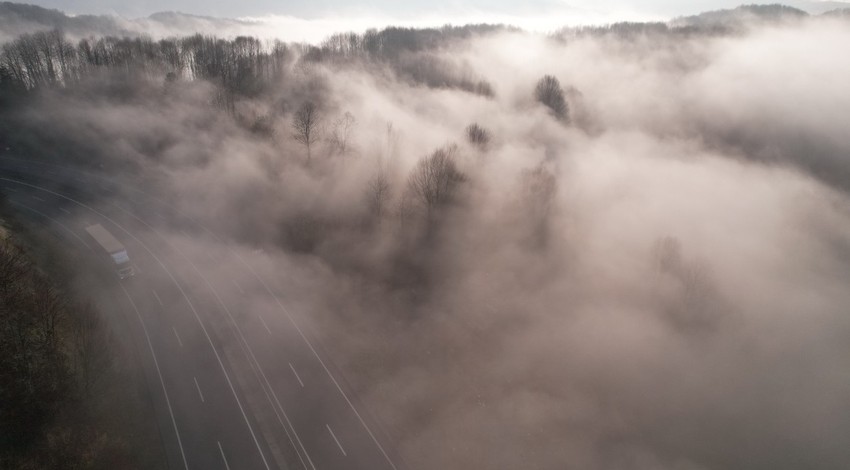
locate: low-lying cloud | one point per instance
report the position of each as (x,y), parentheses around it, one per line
(658,282)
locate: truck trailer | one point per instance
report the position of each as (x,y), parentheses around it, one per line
(116,251)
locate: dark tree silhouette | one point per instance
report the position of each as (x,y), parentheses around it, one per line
(478,136)
(305,126)
(435,179)
(549,92)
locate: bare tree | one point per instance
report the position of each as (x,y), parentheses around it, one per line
(435,179)
(306,124)
(549,92)
(341,131)
(478,136)
(377,194)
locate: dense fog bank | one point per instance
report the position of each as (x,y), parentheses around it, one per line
(640,262)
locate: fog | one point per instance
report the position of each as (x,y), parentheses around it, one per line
(657,280)
(17,19)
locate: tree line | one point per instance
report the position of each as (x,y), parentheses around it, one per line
(391,42)
(242,65)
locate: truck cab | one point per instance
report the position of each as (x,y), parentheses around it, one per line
(123,266)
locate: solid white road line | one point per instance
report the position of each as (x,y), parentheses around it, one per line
(38,198)
(336,440)
(199,389)
(296,375)
(182,292)
(264,323)
(65,210)
(226,466)
(158,373)
(157,298)
(178,336)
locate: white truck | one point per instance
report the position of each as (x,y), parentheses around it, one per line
(116,251)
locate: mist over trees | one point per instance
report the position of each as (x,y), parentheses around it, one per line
(434,181)
(306,125)
(549,93)
(618,246)
(478,136)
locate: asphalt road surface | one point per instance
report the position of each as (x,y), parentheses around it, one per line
(236,377)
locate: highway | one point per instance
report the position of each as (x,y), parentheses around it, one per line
(237,377)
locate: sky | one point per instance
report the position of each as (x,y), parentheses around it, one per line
(524,13)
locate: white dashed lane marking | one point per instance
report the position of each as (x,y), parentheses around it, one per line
(335,439)
(177,336)
(296,375)
(199,389)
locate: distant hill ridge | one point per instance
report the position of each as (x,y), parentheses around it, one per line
(21,18)
(743,14)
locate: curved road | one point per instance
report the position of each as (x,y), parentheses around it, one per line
(236,378)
